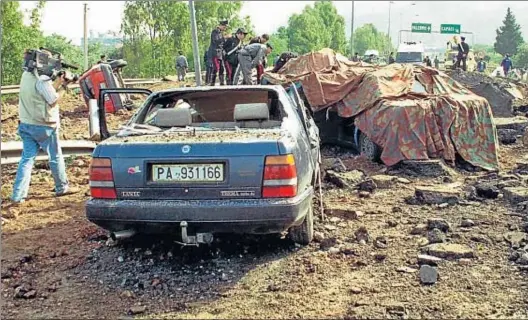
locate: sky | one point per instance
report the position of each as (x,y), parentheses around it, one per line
(479,17)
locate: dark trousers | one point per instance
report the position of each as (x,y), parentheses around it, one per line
(218,68)
(230,71)
(463,60)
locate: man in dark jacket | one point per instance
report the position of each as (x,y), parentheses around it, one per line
(250,57)
(216,52)
(231,48)
(284,57)
(463,50)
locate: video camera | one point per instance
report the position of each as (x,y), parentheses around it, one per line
(50,63)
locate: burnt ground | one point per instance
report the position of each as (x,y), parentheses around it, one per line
(363,264)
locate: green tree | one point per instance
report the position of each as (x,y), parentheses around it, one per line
(16,38)
(368,37)
(334,26)
(509,37)
(521,58)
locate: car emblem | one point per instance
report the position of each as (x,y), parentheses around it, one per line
(186,149)
(133,170)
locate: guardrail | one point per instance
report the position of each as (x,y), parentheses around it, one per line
(11,151)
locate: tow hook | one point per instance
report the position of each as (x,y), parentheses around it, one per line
(204,238)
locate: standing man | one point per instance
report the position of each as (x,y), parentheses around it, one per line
(102,59)
(463,50)
(231,48)
(437,63)
(249,57)
(481,65)
(216,52)
(391,58)
(181,66)
(506,64)
(39,129)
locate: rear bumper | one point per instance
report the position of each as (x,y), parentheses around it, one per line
(232,216)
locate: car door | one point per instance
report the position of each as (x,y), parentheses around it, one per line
(310,129)
(104,132)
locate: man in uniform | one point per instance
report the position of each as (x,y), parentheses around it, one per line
(463,50)
(283,58)
(216,52)
(263,39)
(231,48)
(250,57)
(181,66)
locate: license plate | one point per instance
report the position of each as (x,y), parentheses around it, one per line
(188,172)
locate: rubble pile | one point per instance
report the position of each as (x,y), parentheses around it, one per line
(505,96)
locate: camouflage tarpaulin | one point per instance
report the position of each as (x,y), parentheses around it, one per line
(413,113)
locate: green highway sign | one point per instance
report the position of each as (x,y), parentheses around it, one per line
(450,28)
(421,27)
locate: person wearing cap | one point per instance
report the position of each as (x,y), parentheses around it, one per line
(250,57)
(463,50)
(231,48)
(216,52)
(283,58)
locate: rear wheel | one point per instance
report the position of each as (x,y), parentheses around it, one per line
(303,234)
(368,148)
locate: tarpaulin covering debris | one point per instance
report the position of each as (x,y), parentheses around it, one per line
(412,112)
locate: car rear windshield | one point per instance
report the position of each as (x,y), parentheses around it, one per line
(214,108)
(405,57)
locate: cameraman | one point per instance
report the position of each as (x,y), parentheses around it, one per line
(39,129)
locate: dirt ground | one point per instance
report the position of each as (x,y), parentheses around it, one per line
(363,264)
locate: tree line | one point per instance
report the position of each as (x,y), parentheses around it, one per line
(153,32)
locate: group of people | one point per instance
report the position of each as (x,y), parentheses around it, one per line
(228,58)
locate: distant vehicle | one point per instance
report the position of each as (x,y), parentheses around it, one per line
(410,52)
(371,56)
(199,161)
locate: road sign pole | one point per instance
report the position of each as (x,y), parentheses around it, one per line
(196,53)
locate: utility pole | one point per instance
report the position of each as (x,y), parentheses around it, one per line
(352,31)
(388,31)
(85,36)
(196,53)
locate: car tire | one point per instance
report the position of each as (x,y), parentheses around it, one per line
(303,234)
(368,148)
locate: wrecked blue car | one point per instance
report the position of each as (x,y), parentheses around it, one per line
(200,161)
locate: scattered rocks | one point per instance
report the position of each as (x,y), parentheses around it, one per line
(420,229)
(487,190)
(355,290)
(438,223)
(380,243)
(392,223)
(523,259)
(383,181)
(436,236)
(346,180)
(480,238)
(406,270)
(403,180)
(318,236)
(516,194)
(362,235)
(328,243)
(137,310)
(437,194)
(334,164)
(428,274)
(449,251)
(467,223)
(427,168)
(507,136)
(364,194)
(367,186)
(515,239)
(428,260)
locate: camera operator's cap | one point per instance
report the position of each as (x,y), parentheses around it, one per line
(223,22)
(241,30)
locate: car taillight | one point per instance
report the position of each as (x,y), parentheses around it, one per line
(102,179)
(280,177)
